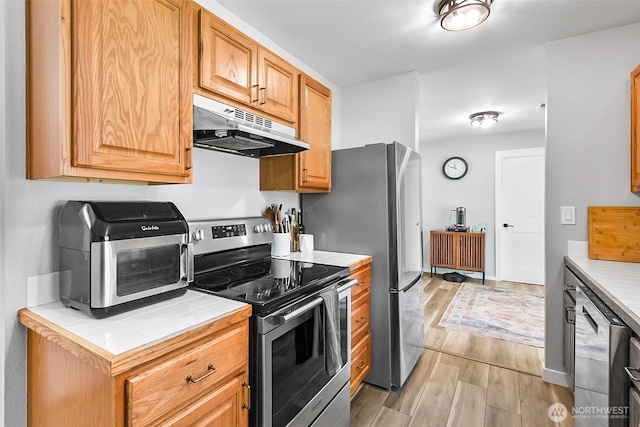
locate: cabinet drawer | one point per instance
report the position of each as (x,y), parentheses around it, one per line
(363,276)
(227,405)
(360,315)
(170,385)
(360,361)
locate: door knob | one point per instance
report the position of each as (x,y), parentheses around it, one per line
(505,225)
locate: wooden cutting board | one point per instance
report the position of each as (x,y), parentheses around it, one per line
(614,233)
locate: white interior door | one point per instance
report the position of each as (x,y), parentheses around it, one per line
(520,215)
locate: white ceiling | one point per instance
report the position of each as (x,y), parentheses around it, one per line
(498,65)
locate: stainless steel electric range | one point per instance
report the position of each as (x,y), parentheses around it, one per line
(300,331)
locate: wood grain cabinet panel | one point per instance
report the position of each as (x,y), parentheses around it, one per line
(233,67)
(360,362)
(360,326)
(635,129)
(227,60)
(225,406)
(458,250)
(363,276)
(360,315)
(185,377)
(66,388)
(118,105)
(308,171)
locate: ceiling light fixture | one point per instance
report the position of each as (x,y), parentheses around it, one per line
(458,15)
(484,119)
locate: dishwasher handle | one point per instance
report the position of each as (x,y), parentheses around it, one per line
(590,320)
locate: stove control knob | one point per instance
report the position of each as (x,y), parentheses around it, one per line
(257,228)
(198,235)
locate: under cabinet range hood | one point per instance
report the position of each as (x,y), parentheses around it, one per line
(221,127)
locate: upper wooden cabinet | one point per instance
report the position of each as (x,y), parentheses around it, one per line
(635,129)
(310,170)
(233,66)
(109,89)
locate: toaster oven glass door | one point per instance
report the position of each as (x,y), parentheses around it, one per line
(126,270)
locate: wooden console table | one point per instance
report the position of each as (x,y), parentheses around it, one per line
(458,250)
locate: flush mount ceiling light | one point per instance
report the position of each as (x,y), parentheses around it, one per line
(484,119)
(458,15)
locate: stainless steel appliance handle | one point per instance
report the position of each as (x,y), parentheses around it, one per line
(590,320)
(628,370)
(350,283)
(284,318)
(187,272)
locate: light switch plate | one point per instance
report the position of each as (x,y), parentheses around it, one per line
(568,215)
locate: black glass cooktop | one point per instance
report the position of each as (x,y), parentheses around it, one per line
(268,284)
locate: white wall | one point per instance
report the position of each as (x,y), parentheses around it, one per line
(384,110)
(475,191)
(587,150)
(223,186)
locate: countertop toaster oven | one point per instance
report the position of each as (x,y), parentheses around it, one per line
(116,256)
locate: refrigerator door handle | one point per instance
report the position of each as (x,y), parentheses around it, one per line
(405,289)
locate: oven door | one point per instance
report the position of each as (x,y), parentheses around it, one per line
(296,379)
(131,269)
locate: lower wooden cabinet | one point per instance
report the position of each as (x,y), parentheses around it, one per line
(226,406)
(360,330)
(459,250)
(360,361)
(197,378)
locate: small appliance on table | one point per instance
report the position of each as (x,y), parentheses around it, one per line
(300,331)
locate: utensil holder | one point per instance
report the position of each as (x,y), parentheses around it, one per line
(281,244)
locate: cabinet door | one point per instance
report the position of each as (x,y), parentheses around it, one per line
(443,249)
(226,406)
(471,252)
(227,60)
(635,129)
(315,128)
(278,86)
(360,361)
(131,67)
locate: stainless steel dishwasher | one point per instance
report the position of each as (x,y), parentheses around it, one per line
(601,353)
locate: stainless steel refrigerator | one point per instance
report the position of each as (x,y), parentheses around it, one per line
(375,208)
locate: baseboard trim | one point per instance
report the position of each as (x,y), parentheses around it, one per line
(555,377)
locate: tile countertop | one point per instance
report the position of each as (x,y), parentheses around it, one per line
(139,328)
(616,283)
(353,261)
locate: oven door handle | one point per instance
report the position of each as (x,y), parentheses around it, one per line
(284,318)
(348,284)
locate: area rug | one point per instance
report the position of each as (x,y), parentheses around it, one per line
(499,313)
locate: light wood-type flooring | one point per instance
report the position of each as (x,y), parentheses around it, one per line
(463,379)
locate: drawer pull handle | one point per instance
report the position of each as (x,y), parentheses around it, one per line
(244,405)
(362,283)
(211,370)
(628,369)
(362,319)
(363,364)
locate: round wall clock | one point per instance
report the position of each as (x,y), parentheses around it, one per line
(455,167)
